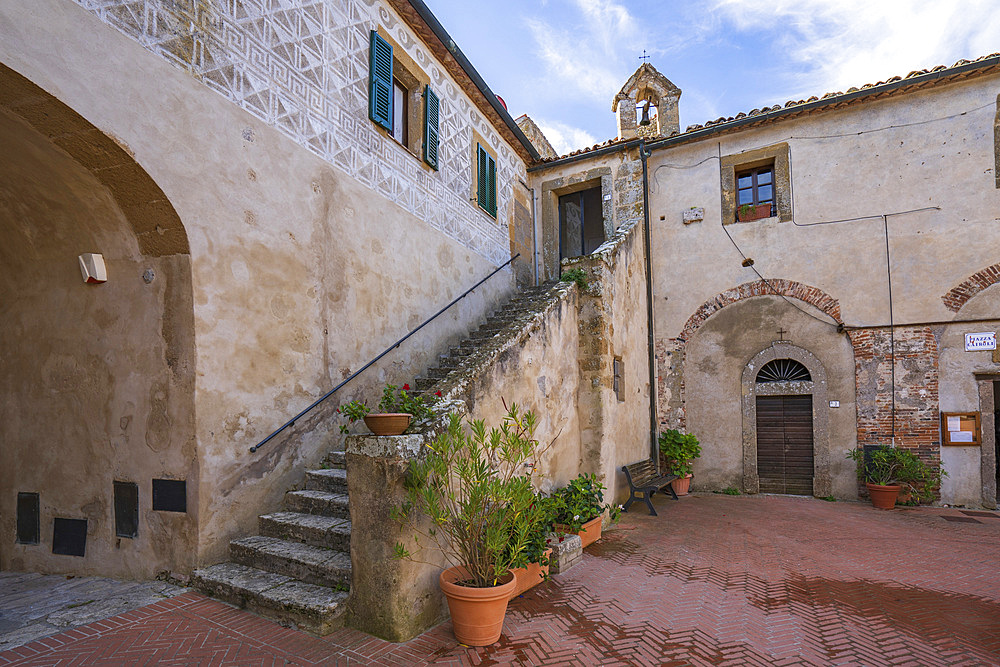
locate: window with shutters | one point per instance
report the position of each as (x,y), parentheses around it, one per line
(401,100)
(484,175)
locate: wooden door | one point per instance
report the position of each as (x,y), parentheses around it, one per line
(785,444)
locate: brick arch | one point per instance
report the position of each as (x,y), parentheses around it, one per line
(959,295)
(773,287)
(152,217)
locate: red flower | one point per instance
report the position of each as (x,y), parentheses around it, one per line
(406,387)
(438,394)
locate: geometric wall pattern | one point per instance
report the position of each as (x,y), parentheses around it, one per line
(301,66)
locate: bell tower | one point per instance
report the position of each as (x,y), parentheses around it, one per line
(646,106)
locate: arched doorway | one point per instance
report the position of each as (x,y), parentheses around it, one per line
(785,427)
(96,380)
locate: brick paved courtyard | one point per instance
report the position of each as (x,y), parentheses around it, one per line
(714,580)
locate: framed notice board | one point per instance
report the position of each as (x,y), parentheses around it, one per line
(960,429)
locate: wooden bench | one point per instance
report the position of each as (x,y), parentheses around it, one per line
(642,478)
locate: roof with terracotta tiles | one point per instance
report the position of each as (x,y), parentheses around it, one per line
(915,80)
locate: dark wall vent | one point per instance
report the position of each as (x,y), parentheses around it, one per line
(28,529)
(170,495)
(69,537)
(126,509)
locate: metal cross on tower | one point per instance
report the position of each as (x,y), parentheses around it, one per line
(644,56)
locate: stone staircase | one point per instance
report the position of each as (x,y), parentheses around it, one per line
(298,569)
(463,360)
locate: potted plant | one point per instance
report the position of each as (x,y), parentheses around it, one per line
(578,508)
(749,212)
(396,410)
(885,470)
(532,565)
(471,487)
(677,451)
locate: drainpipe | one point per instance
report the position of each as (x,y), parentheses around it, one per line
(644,154)
(534,232)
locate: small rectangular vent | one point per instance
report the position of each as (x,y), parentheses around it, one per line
(618,379)
(170,495)
(69,537)
(28,529)
(126,509)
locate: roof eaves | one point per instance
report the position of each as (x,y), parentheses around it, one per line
(449,44)
(895,85)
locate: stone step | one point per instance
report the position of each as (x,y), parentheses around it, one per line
(314,529)
(317,609)
(463,349)
(440,371)
(482,334)
(304,562)
(323,503)
(424,383)
(336,459)
(333,480)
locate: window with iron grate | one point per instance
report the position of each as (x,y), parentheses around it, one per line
(783,370)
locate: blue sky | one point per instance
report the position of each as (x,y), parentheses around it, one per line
(562,61)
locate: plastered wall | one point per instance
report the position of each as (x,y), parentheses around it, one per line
(300,270)
(922,149)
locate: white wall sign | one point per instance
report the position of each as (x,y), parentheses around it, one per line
(980,341)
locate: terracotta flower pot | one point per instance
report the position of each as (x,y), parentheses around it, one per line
(883,497)
(476,613)
(530,576)
(682,485)
(388,423)
(589,533)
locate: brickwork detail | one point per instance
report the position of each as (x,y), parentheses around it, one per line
(670,352)
(959,295)
(916,392)
(302,67)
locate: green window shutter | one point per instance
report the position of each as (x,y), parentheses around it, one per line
(492,184)
(380,82)
(482,180)
(432,109)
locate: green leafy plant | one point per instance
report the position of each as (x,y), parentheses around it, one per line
(394,399)
(578,276)
(579,502)
(479,502)
(678,451)
(539,516)
(746,209)
(887,466)
(829,499)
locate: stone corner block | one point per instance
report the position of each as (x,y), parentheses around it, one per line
(565,553)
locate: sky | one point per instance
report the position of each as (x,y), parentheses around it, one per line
(562,61)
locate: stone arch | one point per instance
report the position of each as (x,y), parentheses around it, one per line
(960,294)
(156,224)
(773,287)
(96,380)
(817,387)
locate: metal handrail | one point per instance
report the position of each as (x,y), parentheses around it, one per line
(291,422)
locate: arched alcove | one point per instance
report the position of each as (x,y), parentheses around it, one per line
(96,380)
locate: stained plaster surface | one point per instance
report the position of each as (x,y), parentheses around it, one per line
(289,253)
(33,606)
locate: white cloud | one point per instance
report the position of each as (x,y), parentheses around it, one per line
(582,56)
(853,42)
(563,137)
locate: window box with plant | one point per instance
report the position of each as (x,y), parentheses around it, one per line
(481,509)
(578,508)
(397,409)
(677,451)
